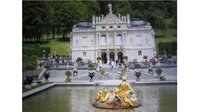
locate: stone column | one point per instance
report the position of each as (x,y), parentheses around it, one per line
(107,38)
(99,19)
(115,35)
(122,18)
(128,20)
(97,40)
(108,56)
(93,21)
(124,38)
(116,57)
(96,19)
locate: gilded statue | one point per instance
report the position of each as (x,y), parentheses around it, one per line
(121,97)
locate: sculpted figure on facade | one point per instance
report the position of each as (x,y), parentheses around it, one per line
(110,8)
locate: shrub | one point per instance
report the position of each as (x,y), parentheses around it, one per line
(68,74)
(91,66)
(79,59)
(125,57)
(145,57)
(137,65)
(98,58)
(123,70)
(102,71)
(159,71)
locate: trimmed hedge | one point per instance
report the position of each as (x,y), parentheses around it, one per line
(169,47)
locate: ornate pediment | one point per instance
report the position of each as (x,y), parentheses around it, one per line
(110,19)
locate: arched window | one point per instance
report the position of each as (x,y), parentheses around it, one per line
(103,40)
(118,40)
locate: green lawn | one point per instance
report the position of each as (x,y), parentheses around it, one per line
(170,35)
(60,47)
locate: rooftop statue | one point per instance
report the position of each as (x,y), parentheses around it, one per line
(110,8)
(121,97)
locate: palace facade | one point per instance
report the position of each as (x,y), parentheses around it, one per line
(112,37)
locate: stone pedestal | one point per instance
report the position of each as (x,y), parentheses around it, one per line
(115,105)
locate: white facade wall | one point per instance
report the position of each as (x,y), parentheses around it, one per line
(133,39)
(133,54)
(88,55)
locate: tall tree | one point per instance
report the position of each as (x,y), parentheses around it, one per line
(93,8)
(122,7)
(154,12)
(34,20)
(69,13)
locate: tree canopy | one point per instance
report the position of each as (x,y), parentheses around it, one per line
(51,17)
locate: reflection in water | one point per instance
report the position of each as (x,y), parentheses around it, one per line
(161,98)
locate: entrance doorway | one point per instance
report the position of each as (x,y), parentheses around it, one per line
(104,57)
(112,56)
(120,57)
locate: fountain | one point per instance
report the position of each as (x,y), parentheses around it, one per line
(122,97)
(160,98)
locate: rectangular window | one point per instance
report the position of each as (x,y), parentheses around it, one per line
(139,53)
(84,54)
(139,39)
(84,41)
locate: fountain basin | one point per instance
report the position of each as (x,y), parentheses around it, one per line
(154,98)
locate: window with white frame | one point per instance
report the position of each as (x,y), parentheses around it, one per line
(139,53)
(84,41)
(138,39)
(84,54)
(103,40)
(118,40)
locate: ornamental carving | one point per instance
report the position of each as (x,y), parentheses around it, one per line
(111,19)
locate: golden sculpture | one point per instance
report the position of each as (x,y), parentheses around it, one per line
(121,97)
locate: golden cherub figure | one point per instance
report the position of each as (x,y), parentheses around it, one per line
(123,95)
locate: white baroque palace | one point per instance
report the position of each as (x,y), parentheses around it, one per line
(112,37)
